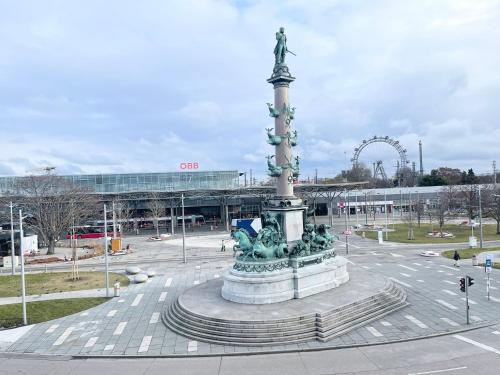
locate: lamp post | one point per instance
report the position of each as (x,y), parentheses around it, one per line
(183,231)
(23,283)
(386,219)
(12,245)
(357,219)
(480,219)
(106,265)
(366,208)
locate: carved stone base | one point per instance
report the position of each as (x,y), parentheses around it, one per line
(305,276)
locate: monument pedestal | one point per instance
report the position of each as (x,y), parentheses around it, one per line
(262,283)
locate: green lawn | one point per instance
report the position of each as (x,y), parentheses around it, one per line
(41,311)
(461,233)
(55,282)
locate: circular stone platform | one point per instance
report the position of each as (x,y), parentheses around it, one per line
(201,313)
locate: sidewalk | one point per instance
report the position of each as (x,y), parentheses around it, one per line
(62,295)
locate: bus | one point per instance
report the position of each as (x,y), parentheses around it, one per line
(91,231)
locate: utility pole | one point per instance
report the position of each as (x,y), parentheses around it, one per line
(114,221)
(106,265)
(386,220)
(316,176)
(12,244)
(251,178)
(21,253)
(480,219)
(366,208)
(346,228)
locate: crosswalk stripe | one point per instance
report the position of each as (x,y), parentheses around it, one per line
(64,336)
(374,332)
(449,282)
(146,340)
(168,282)
(397,255)
(417,322)
(385,324)
(192,346)
(137,299)
(111,313)
(450,322)
(446,304)
(449,292)
(408,268)
(470,301)
(476,318)
(154,318)
(163,296)
(91,342)
(400,282)
(421,281)
(119,329)
(52,328)
(404,274)
(109,347)
(196,282)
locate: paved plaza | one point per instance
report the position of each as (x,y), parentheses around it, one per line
(131,325)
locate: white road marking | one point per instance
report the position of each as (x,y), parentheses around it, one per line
(446,304)
(397,255)
(476,318)
(378,264)
(348,261)
(470,301)
(493,298)
(146,340)
(421,281)
(197,267)
(374,332)
(427,267)
(448,274)
(493,287)
(449,292)
(440,271)
(417,264)
(400,282)
(478,344)
(385,324)
(109,347)
(216,276)
(64,336)
(119,329)
(193,346)
(374,253)
(154,318)
(163,295)
(449,282)
(404,274)
(450,322)
(196,282)
(451,268)
(414,320)
(408,268)
(84,313)
(112,313)
(365,267)
(438,371)
(52,328)
(168,282)
(120,301)
(496,332)
(137,299)
(91,342)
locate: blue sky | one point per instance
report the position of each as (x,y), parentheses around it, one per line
(128,86)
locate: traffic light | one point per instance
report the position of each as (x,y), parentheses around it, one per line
(462,284)
(470,281)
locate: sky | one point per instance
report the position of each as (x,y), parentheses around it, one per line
(142,86)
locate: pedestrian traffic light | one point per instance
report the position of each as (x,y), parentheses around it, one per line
(462,284)
(470,281)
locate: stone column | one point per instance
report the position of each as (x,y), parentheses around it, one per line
(281,79)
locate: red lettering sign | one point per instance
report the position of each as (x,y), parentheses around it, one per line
(189,165)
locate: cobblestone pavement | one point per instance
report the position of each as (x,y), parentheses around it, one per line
(131,325)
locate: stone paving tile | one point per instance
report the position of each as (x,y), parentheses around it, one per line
(422,298)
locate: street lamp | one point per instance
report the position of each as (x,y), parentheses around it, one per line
(106,266)
(183,231)
(23,283)
(386,220)
(12,245)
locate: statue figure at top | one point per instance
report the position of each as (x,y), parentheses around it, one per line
(280,50)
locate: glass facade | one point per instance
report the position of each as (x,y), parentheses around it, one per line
(142,182)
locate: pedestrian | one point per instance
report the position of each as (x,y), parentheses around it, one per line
(456,258)
(223,247)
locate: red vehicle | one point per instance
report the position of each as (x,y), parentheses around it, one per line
(90,231)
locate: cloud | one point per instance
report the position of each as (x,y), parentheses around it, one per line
(121,86)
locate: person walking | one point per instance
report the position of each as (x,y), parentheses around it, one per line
(456,258)
(223,247)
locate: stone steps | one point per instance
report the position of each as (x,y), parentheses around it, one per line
(321,326)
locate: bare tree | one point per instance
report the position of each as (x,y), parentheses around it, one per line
(492,205)
(123,213)
(468,196)
(53,205)
(157,209)
(419,210)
